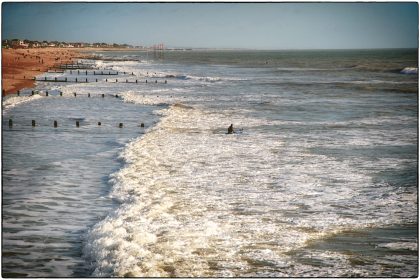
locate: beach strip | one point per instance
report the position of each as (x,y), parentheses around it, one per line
(20,66)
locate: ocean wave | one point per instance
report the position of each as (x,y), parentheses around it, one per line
(13,101)
(197,78)
(303,69)
(409,70)
(217,79)
(133,67)
(149,99)
(400,246)
(196,202)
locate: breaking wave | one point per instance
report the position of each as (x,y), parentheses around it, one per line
(183,211)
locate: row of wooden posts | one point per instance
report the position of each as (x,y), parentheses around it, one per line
(75,66)
(86,80)
(61,94)
(101,73)
(55,124)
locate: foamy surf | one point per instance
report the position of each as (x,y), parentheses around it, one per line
(183,212)
(410,70)
(310,165)
(13,101)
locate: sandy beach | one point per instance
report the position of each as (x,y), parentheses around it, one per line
(20,66)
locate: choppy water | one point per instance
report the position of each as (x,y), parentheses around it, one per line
(319,180)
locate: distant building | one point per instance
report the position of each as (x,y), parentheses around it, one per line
(34,45)
(5,44)
(18,44)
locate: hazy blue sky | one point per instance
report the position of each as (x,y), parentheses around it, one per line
(222,25)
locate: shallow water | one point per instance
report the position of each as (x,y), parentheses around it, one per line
(55,180)
(322,169)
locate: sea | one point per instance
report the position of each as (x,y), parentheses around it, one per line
(319,178)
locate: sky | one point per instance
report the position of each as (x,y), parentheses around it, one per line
(218,25)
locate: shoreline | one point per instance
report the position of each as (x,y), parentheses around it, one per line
(20,66)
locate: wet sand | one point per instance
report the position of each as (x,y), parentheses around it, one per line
(20,66)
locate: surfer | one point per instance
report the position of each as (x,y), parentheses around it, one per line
(230,129)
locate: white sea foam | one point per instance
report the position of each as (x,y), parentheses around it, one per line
(194,201)
(400,246)
(410,70)
(293,69)
(13,101)
(194,198)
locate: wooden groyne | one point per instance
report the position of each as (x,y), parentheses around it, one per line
(55,124)
(114,59)
(86,80)
(100,73)
(47,93)
(95,73)
(75,66)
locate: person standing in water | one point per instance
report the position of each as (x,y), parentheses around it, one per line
(230,129)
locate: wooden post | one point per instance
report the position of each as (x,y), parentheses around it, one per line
(74,94)
(10,123)
(33,93)
(142,125)
(106,80)
(116,80)
(46,93)
(18,92)
(96,80)
(99,123)
(77,124)
(136,81)
(120,125)
(116,96)
(61,94)
(103,95)
(55,124)
(33,122)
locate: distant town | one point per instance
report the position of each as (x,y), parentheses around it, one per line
(24,44)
